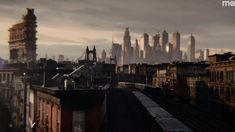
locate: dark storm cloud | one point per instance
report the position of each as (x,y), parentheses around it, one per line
(213,25)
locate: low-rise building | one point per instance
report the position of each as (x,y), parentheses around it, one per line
(198,88)
(178,74)
(160,75)
(138,73)
(63,110)
(221,82)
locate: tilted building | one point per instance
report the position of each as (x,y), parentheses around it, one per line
(22,39)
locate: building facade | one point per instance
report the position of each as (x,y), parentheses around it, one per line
(53,110)
(178,74)
(221,81)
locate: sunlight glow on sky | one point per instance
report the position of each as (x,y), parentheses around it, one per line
(77,23)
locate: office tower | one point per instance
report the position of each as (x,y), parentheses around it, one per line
(191,48)
(103,56)
(169,48)
(206,54)
(126,55)
(176,41)
(164,40)
(116,51)
(144,41)
(137,49)
(199,56)
(156,43)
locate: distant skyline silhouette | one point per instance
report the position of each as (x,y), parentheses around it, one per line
(87,22)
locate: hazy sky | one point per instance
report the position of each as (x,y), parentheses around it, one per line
(67,26)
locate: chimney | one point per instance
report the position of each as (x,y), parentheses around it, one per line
(49,70)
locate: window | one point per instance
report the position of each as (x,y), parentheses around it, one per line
(221,76)
(12,77)
(4,77)
(78,121)
(58,120)
(229,76)
(221,90)
(217,76)
(8,77)
(232,92)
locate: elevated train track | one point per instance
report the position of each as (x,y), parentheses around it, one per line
(194,119)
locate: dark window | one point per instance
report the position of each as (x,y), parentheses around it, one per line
(8,77)
(221,76)
(4,77)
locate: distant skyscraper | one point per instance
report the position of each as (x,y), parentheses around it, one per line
(103,56)
(169,48)
(185,56)
(176,41)
(22,39)
(144,45)
(199,56)
(164,40)
(131,54)
(156,43)
(141,54)
(60,58)
(126,55)
(144,41)
(137,49)
(191,48)
(206,54)
(116,51)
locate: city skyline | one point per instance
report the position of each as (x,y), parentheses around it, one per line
(111,66)
(69,26)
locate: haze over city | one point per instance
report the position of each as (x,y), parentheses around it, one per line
(71,25)
(111,66)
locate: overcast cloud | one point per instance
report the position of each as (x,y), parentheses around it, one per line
(89,22)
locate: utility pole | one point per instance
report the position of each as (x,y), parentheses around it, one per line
(24,79)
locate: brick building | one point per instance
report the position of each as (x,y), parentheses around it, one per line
(178,74)
(160,75)
(221,81)
(139,73)
(61,110)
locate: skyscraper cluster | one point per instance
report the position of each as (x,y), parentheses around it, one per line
(159,51)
